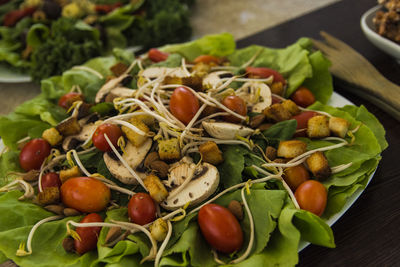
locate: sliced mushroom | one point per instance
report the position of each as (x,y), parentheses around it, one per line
(226,130)
(256,94)
(214,79)
(156,72)
(108,86)
(72,141)
(203,184)
(179,171)
(133,156)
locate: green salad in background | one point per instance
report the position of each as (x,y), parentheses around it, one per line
(278,225)
(46,37)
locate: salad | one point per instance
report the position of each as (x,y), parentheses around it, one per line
(46,37)
(191,154)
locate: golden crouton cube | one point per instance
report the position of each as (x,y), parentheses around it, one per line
(146,119)
(159,229)
(318,127)
(290,106)
(318,165)
(69,126)
(277,88)
(52,136)
(169,149)
(119,69)
(277,113)
(70,173)
(173,80)
(135,138)
(338,126)
(291,148)
(201,69)
(156,188)
(211,153)
(49,195)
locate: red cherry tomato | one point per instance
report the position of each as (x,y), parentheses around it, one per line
(265,73)
(33,154)
(113,133)
(303,118)
(207,59)
(104,9)
(220,228)
(275,99)
(296,175)
(85,194)
(303,97)
(183,104)
(235,104)
(156,55)
(51,179)
(68,99)
(141,209)
(88,235)
(312,196)
(11,18)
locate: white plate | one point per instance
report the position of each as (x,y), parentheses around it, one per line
(11,76)
(336,101)
(381,42)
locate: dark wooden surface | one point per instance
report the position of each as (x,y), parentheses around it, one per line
(368,234)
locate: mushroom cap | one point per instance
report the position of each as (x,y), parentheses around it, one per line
(156,72)
(82,136)
(108,86)
(213,79)
(197,190)
(226,130)
(256,94)
(133,156)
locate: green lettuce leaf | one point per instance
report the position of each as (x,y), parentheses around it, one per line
(8,163)
(219,45)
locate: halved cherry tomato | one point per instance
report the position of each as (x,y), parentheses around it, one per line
(104,9)
(235,104)
(51,179)
(183,104)
(207,59)
(156,55)
(141,209)
(296,175)
(262,72)
(220,228)
(68,99)
(113,133)
(85,194)
(33,154)
(303,97)
(88,235)
(312,196)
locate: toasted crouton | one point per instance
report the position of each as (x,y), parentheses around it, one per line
(338,126)
(70,173)
(52,136)
(119,68)
(169,149)
(318,127)
(49,195)
(291,148)
(277,113)
(270,152)
(135,138)
(195,82)
(290,106)
(69,126)
(201,69)
(211,153)
(156,188)
(277,88)
(318,165)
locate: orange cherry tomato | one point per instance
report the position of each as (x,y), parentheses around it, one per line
(262,72)
(220,228)
(183,104)
(303,97)
(207,59)
(235,104)
(85,194)
(312,196)
(156,55)
(68,99)
(51,179)
(88,235)
(294,176)
(141,209)
(113,133)
(33,154)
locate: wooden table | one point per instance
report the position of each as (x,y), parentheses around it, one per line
(368,234)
